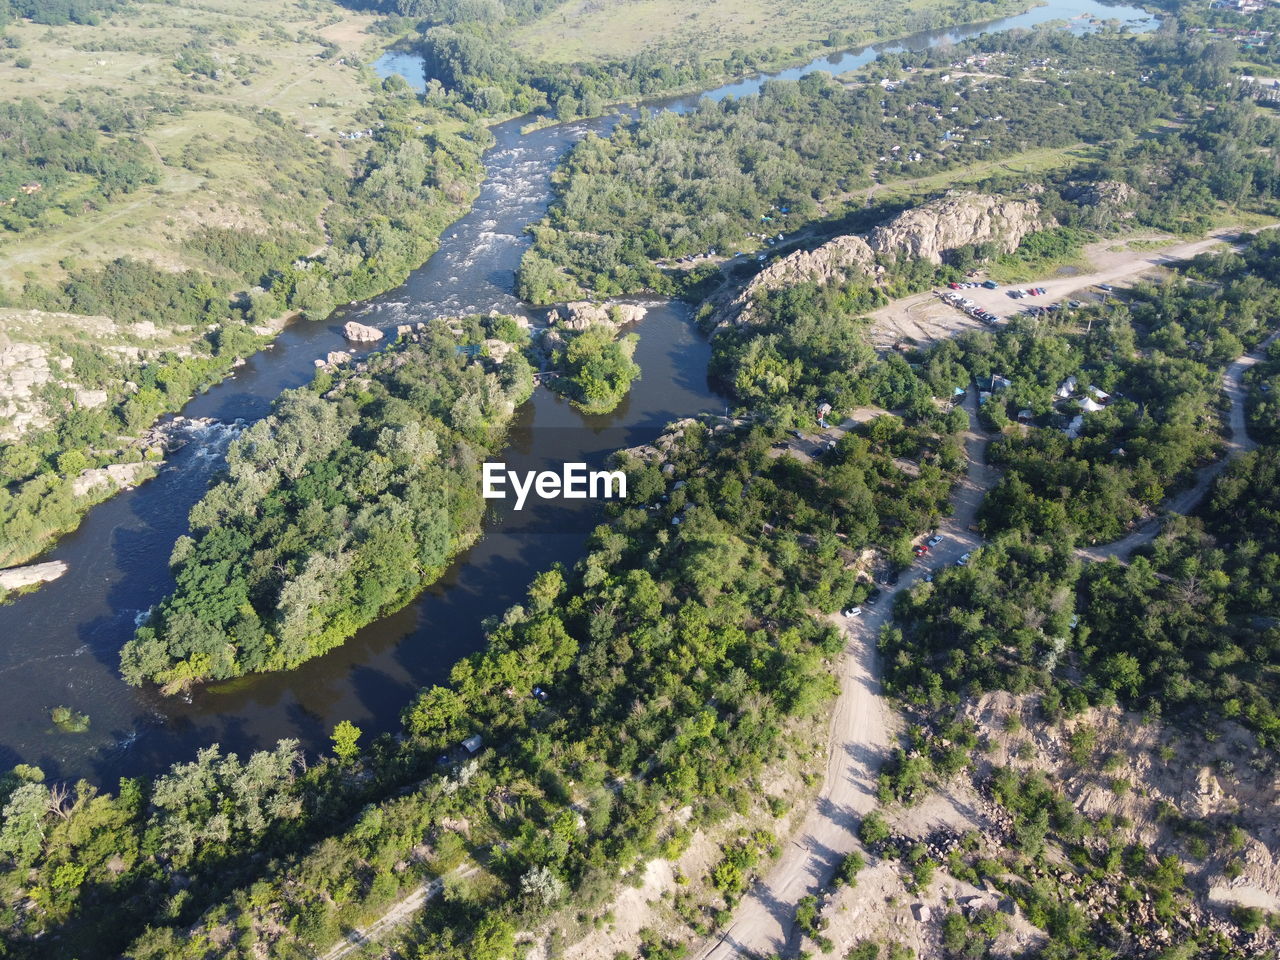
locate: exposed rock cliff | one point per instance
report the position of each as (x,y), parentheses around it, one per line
(927,232)
(931,230)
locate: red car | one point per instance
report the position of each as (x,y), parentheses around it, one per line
(920,549)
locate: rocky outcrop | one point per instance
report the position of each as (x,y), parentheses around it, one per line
(15,578)
(1107,193)
(580,314)
(332,359)
(925,232)
(498,350)
(123,475)
(360,332)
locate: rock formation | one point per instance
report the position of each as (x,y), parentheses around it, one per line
(927,232)
(360,332)
(931,230)
(123,475)
(580,314)
(17,577)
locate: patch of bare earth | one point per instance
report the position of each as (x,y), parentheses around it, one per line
(1172,791)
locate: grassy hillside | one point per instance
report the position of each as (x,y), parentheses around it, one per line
(195,76)
(591,30)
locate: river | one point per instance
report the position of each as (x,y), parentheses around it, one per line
(61,644)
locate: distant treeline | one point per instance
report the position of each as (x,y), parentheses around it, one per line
(56,12)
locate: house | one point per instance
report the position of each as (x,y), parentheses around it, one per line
(1067,388)
(472,743)
(1000,383)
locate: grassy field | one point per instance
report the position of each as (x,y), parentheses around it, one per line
(586,30)
(210,154)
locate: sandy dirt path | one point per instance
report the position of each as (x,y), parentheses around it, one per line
(861,737)
(402,912)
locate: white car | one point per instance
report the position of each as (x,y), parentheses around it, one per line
(963,561)
(853,612)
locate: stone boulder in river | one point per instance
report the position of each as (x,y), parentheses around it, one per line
(360,332)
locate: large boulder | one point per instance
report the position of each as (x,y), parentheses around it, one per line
(360,332)
(17,577)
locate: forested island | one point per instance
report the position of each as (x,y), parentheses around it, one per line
(339,507)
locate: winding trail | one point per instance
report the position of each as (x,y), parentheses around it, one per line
(1187,500)
(861,736)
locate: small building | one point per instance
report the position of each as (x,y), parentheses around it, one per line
(1090,405)
(1100,395)
(473,743)
(1074,427)
(1025,416)
(1067,388)
(1000,383)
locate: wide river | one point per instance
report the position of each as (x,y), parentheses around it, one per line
(61,644)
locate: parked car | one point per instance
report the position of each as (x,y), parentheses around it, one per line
(935,540)
(873,596)
(963,561)
(920,549)
(852,611)
(991,285)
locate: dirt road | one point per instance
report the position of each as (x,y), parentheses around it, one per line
(860,738)
(924,318)
(401,912)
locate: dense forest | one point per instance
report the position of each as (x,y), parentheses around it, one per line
(595,365)
(42,155)
(338,507)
